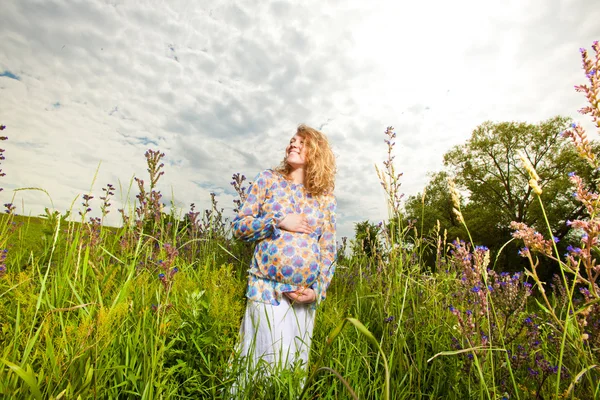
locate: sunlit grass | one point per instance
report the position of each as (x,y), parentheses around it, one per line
(152,309)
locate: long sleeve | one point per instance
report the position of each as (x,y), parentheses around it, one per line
(328,250)
(251,224)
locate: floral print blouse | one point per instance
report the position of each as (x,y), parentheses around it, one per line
(285,261)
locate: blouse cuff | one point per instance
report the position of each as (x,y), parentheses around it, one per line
(277,218)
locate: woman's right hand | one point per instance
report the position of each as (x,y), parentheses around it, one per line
(295,223)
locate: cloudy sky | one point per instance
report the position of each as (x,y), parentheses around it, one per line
(220,87)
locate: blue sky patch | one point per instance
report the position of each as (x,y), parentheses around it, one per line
(10,75)
(146,141)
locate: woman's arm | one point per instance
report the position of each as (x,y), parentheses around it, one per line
(328,250)
(250,224)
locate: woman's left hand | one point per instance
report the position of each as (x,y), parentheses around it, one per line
(302,296)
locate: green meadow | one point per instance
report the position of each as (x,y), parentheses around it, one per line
(152,309)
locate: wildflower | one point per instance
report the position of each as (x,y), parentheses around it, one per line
(533,182)
(389,319)
(527,320)
(555,239)
(534,185)
(455,200)
(475,289)
(585,336)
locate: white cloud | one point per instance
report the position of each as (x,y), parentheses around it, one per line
(220,86)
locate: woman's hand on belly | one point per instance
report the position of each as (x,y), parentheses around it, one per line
(302,296)
(295,223)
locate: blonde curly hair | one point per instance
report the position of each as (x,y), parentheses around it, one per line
(320,162)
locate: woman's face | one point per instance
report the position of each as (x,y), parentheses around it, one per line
(296,152)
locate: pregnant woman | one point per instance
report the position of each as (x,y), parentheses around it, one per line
(290,214)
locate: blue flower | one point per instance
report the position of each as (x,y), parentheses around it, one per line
(573,125)
(475,289)
(266,295)
(584,291)
(571,174)
(572,249)
(297,278)
(289,251)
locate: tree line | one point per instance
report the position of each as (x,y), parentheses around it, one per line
(494,191)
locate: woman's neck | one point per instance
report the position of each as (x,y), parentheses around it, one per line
(297,176)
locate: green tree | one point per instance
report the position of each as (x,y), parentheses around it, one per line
(366,241)
(432,205)
(488,171)
(432,217)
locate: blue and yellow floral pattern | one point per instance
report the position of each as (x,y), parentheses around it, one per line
(286,261)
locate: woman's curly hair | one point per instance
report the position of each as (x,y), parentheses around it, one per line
(320,162)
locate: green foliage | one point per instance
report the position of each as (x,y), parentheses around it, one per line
(488,168)
(488,171)
(366,240)
(152,309)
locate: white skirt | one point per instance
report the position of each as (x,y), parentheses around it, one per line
(276,337)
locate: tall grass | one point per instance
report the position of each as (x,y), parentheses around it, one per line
(152,309)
